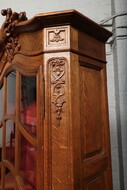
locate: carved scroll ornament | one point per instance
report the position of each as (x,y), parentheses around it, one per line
(7,37)
(58,86)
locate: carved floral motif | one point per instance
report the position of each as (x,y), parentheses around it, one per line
(58,88)
(12,47)
(7,36)
(57,36)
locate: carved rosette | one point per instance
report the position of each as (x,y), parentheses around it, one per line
(7,36)
(57,69)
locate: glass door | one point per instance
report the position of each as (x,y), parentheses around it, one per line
(8,132)
(28,116)
(19,133)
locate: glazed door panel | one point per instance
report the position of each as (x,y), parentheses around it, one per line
(19,126)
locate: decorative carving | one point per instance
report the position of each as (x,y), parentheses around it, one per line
(58,82)
(7,36)
(57,36)
(12,47)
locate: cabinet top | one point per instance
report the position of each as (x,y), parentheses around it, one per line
(68,17)
(40,21)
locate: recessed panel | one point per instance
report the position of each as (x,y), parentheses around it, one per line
(56,37)
(91,111)
(95,184)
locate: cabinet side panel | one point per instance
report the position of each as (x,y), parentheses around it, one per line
(95,153)
(91,112)
(91,47)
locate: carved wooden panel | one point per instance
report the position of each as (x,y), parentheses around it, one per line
(58,82)
(91,112)
(57,109)
(96,183)
(56,37)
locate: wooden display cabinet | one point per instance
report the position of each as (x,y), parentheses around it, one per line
(54,119)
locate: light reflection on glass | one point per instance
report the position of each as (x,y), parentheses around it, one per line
(1,113)
(1,103)
(9,181)
(11,92)
(10,141)
(28,104)
(28,164)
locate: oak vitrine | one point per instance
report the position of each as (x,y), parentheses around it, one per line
(54,112)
